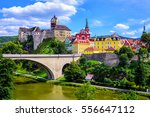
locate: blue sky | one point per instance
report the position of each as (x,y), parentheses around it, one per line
(125,17)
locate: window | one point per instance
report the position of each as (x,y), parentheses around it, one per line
(83,38)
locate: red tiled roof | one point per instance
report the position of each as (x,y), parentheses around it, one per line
(127,43)
(61,27)
(89,76)
(91,49)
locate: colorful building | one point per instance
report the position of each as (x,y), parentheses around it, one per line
(135,45)
(102,44)
(109,43)
(82,41)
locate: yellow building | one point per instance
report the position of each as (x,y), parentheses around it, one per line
(108,44)
(78,47)
(91,50)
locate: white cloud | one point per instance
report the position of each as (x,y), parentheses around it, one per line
(8,30)
(3,33)
(96,23)
(40,10)
(145,20)
(121,26)
(37,14)
(112,31)
(132,33)
(72,2)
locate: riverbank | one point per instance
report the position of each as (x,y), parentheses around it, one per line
(26,79)
(63,83)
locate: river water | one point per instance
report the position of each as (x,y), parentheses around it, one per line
(45,91)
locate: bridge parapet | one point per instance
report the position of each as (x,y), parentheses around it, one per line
(40,55)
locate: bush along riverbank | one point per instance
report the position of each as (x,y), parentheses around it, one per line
(100,88)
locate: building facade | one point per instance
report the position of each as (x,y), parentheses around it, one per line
(60,32)
(82,41)
(108,44)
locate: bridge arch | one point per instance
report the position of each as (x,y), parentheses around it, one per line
(64,66)
(54,64)
(47,69)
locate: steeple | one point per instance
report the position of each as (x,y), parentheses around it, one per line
(86,26)
(144,29)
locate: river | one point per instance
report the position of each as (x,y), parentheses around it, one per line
(46,91)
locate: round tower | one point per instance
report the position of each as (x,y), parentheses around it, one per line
(54,22)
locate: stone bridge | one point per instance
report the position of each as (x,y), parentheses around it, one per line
(54,64)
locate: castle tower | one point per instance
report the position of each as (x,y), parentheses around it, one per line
(54,22)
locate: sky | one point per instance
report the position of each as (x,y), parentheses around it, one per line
(125,17)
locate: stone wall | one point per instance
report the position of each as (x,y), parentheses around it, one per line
(109,59)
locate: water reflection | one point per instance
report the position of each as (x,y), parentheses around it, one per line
(44,91)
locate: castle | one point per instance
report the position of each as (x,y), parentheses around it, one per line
(61,32)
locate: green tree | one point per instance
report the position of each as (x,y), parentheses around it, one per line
(146,39)
(124,60)
(73,73)
(83,61)
(143,52)
(86,92)
(126,50)
(141,74)
(6,73)
(131,95)
(100,72)
(12,48)
(51,46)
(87,65)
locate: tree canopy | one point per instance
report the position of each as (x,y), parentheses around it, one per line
(86,92)
(51,46)
(74,73)
(146,39)
(12,48)
(6,73)
(126,50)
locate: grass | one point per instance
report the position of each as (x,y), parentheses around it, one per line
(23,80)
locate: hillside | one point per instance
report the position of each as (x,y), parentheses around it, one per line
(51,46)
(4,39)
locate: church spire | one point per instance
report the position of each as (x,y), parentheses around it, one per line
(86,26)
(144,29)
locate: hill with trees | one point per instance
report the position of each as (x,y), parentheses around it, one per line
(4,39)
